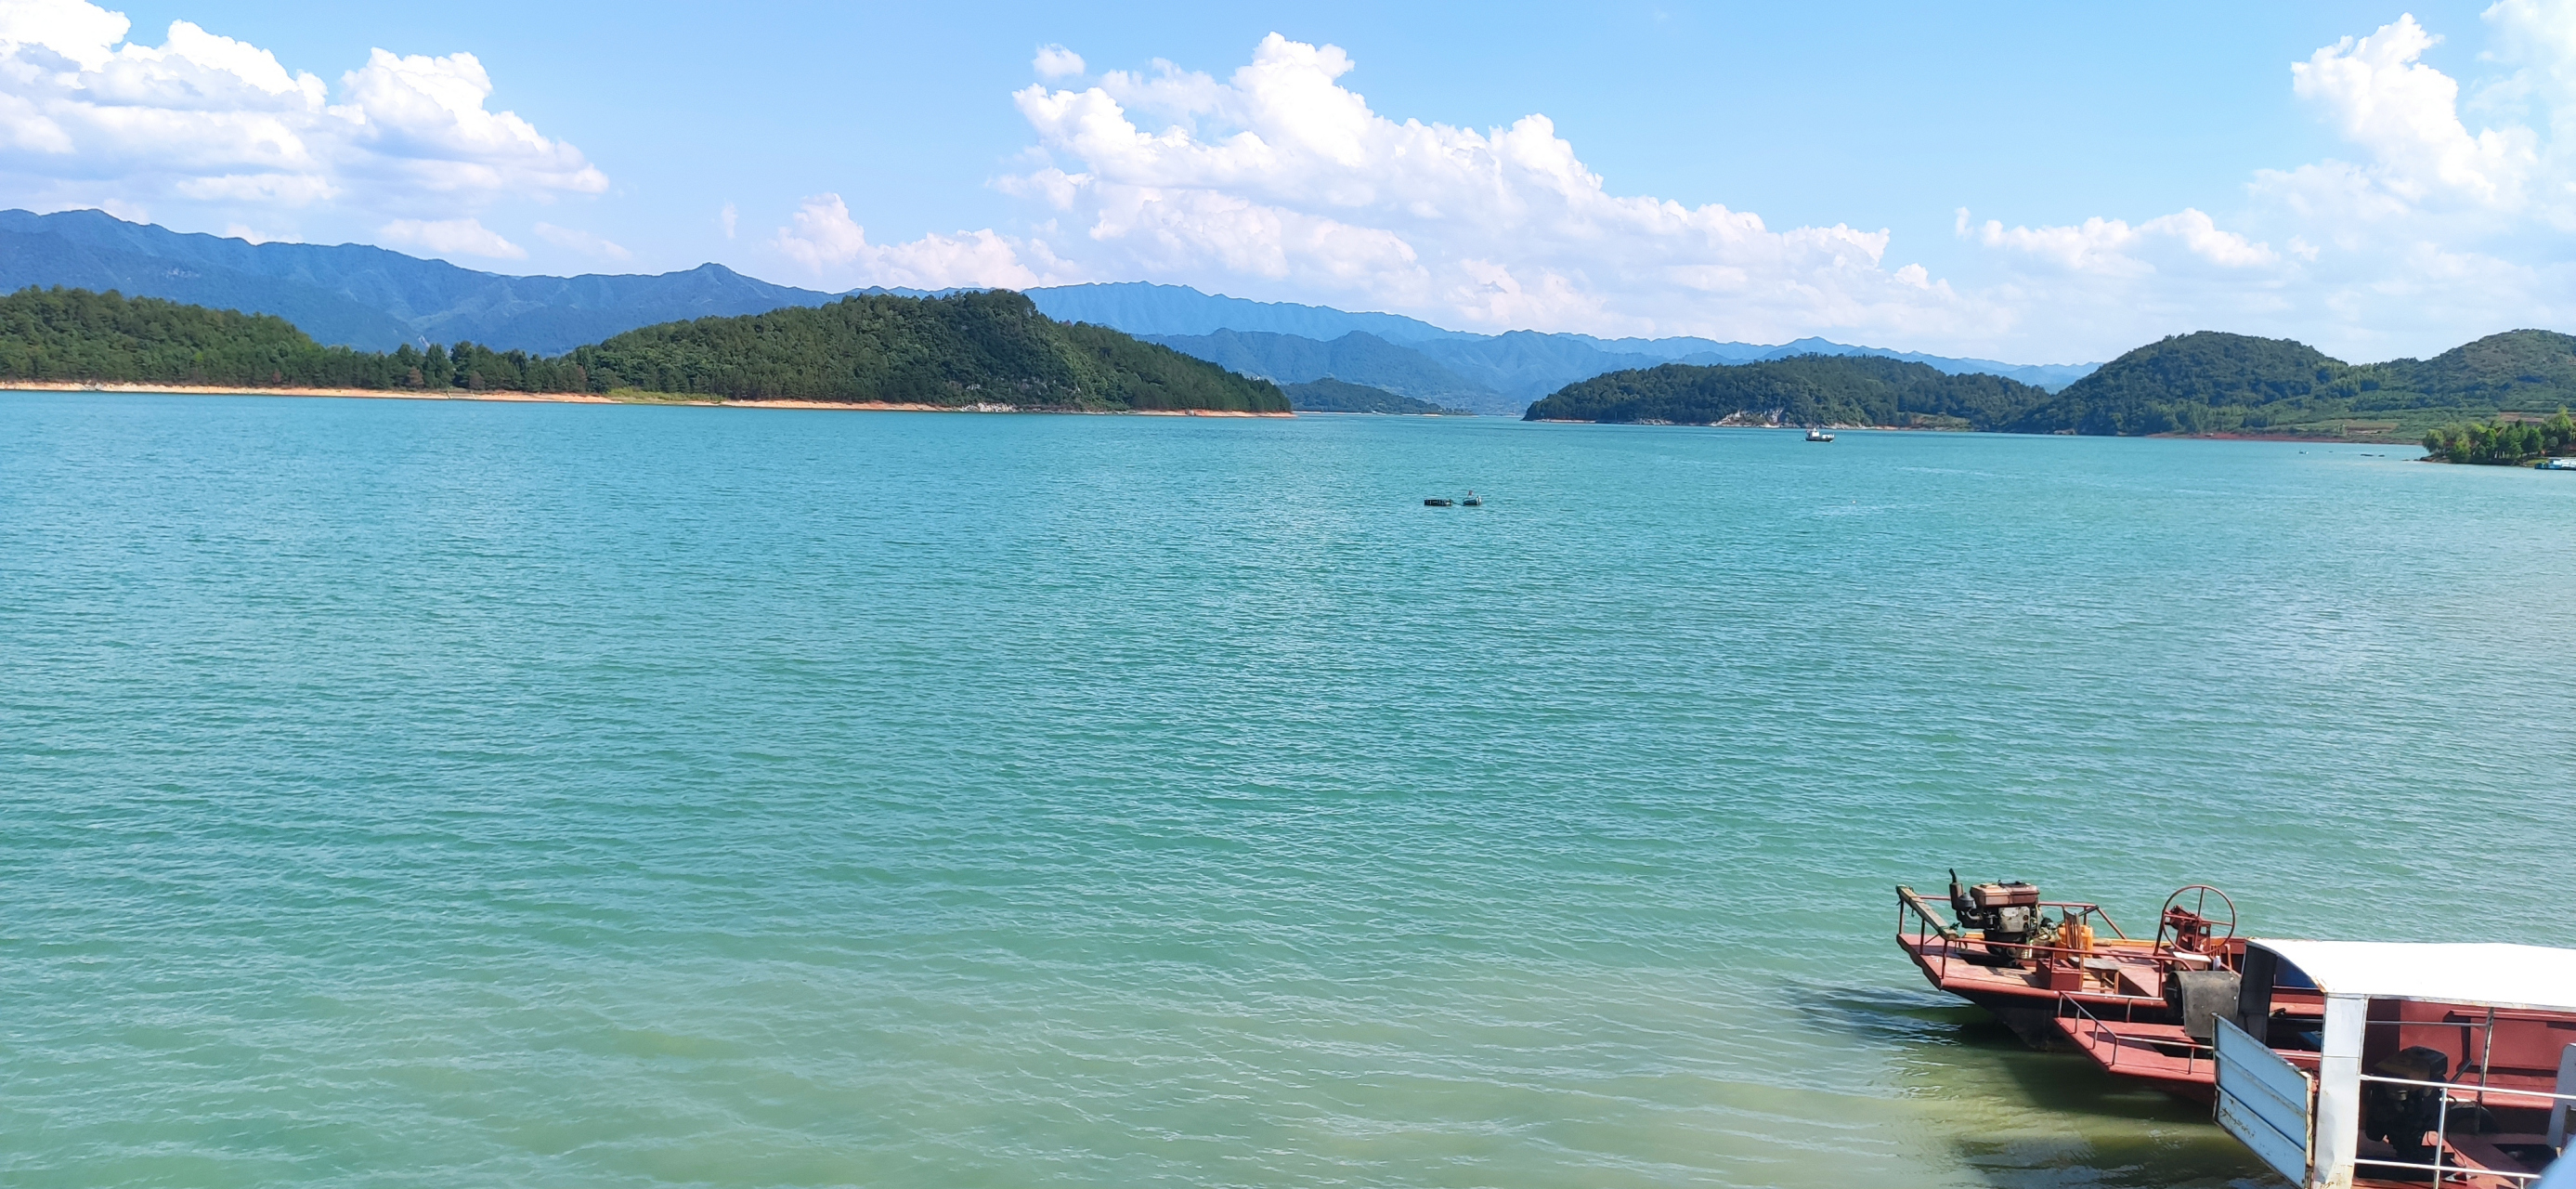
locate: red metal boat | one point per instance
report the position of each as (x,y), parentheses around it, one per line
(2028,960)
(2420,1063)
(2344,1065)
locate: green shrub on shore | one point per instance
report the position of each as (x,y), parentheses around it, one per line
(2502,443)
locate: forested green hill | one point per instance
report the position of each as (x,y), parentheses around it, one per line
(2518,369)
(963,349)
(1801,390)
(76,335)
(2230,383)
(967,349)
(2194,383)
(2205,383)
(1329,395)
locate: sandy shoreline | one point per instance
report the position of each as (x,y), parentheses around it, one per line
(583,398)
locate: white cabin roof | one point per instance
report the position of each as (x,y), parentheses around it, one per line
(2481,974)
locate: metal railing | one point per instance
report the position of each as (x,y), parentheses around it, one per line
(1926,924)
(2442,1131)
(2096,1031)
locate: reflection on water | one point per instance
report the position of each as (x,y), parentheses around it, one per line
(2016,1118)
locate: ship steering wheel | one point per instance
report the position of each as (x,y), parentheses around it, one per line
(2193,929)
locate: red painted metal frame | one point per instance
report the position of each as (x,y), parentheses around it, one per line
(1943,963)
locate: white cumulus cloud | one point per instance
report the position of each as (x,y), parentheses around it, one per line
(2451,213)
(2111,247)
(1055,61)
(451,237)
(583,242)
(2437,230)
(823,238)
(422,121)
(89,117)
(1280,181)
(2405,114)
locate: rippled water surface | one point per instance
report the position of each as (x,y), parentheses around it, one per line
(462,794)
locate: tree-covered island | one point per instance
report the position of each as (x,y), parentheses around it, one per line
(986,349)
(2208,383)
(1800,390)
(1330,395)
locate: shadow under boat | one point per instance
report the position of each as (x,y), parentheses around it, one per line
(2012,1117)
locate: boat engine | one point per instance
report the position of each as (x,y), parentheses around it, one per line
(2402,1114)
(2006,914)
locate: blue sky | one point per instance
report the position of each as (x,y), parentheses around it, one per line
(2145,172)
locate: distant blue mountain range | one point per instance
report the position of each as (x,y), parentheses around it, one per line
(377,299)
(362,296)
(1141,308)
(1488,373)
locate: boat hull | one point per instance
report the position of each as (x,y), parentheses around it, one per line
(2034,1023)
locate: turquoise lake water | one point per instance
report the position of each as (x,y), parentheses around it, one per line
(437,794)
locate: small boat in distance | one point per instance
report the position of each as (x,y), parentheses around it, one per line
(1818,435)
(1471,501)
(1435,502)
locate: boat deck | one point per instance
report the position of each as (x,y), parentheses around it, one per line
(2160,1054)
(2125,977)
(2476,1161)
